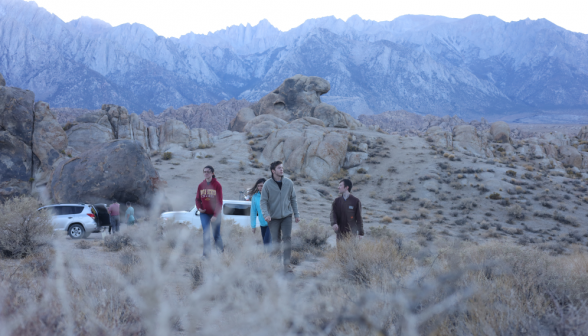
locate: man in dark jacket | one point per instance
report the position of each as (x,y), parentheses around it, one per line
(346,217)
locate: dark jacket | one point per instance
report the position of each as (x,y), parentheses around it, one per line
(210,197)
(347,215)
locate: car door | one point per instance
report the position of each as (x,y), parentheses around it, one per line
(59,217)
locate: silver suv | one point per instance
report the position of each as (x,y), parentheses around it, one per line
(79,220)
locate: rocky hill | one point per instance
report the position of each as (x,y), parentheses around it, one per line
(471,67)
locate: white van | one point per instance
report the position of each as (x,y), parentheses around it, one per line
(239,211)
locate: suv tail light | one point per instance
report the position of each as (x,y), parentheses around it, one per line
(91,215)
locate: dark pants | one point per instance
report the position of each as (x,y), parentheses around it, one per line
(266,235)
(216,226)
(281,230)
(115,223)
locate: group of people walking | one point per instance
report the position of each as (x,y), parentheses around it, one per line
(273,203)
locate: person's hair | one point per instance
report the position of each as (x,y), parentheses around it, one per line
(273,166)
(128,204)
(347,183)
(211,169)
(251,191)
(114,200)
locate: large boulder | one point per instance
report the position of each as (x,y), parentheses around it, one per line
(329,115)
(15,166)
(49,138)
(500,132)
(138,130)
(119,120)
(199,138)
(243,117)
(466,139)
(173,132)
(570,156)
(120,169)
(263,125)
(312,150)
(16,137)
(439,137)
(354,159)
(583,134)
(85,136)
(295,98)
(16,112)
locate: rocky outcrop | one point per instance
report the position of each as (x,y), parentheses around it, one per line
(213,118)
(296,98)
(354,159)
(439,137)
(16,137)
(15,166)
(583,134)
(49,142)
(120,169)
(173,132)
(467,139)
(500,132)
(153,138)
(408,123)
(199,138)
(2,81)
(241,119)
(309,149)
(570,156)
(85,136)
(263,125)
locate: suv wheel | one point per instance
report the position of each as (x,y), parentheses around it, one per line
(76,231)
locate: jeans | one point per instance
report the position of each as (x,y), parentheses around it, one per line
(266,235)
(115,223)
(281,230)
(216,226)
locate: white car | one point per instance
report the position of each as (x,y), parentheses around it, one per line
(238,211)
(79,220)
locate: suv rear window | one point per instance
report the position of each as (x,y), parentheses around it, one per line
(68,210)
(236,209)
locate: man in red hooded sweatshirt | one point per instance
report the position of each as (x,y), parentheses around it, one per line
(209,201)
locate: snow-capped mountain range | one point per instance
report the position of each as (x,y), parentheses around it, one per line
(470,67)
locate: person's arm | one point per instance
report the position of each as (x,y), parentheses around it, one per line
(263,202)
(359,219)
(334,217)
(253,213)
(219,201)
(198,199)
(294,204)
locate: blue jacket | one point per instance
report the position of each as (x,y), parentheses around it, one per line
(256,210)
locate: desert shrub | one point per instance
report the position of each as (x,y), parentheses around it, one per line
(312,235)
(167,156)
(392,170)
(386,219)
(361,171)
(208,156)
(223,161)
(117,242)
(83,245)
(569,220)
(511,173)
(339,176)
(516,211)
(467,204)
(23,229)
(196,274)
(403,196)
(423,213)
(456,185)
(426,231)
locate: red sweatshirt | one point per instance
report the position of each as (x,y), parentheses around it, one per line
(210,197)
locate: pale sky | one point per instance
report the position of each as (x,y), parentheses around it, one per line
(178,17)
